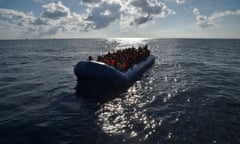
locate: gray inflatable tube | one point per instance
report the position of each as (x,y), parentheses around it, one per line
(95,76)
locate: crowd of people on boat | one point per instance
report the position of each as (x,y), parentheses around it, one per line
(124,59)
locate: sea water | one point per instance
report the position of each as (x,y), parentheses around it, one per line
(190,95)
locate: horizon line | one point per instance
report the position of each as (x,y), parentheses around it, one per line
(121,38)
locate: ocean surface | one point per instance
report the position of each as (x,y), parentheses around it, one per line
(191,95)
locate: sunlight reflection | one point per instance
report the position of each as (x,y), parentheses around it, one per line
(129,40)
(121,43)
(128,115)
(169,135)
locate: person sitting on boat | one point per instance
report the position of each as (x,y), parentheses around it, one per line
(90,58)
(124,59)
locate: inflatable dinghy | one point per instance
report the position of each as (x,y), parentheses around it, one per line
(95,79)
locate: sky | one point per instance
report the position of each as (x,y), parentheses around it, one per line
(33,19)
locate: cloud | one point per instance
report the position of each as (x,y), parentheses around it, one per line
(202,21)
(218,15)
(131,12)
(90,1)
(17,17)
(152,7)
(180,1)
(140,20)
(141,11)
(15,23)
(196,11)
(8,13)
(55,11)
(212,20)
(57,18)
(102,15)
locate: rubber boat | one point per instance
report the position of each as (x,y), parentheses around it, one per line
(95,79)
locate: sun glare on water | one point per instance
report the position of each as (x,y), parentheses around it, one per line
(129,40)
